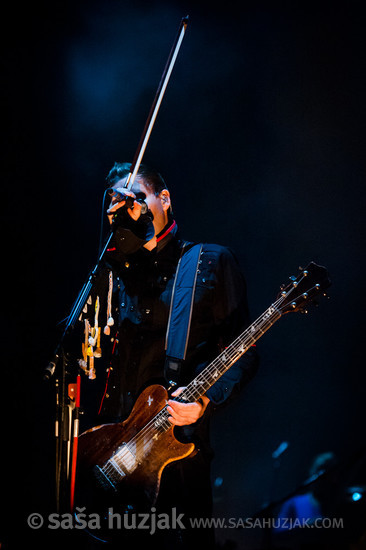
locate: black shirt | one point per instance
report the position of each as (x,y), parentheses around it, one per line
(142,287)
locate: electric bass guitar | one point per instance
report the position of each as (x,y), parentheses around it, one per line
(124,462)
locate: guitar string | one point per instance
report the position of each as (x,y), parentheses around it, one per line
(160,420)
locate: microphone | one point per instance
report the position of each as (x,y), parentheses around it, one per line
(129,200)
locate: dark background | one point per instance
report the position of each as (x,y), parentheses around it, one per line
(260,139)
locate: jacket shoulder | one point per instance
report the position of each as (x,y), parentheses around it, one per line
(219,252)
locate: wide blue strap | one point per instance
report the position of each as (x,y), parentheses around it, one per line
(182,305)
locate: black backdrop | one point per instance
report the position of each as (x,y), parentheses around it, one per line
(260,138)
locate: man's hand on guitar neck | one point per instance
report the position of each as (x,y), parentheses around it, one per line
(182,414)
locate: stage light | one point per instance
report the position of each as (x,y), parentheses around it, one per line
(218,481)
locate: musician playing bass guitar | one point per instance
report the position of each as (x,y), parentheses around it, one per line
(135,303)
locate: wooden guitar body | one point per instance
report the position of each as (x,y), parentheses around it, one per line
(120,465)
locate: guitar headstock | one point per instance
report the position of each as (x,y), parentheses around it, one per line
(303,289)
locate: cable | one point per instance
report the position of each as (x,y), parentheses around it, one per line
(102,224)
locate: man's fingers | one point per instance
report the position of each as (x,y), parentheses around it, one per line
(135,212)
(178,391)
(173,418)
(117,201)
(124,191)
(116,204)
(115,207)
(177,419)
(182,414)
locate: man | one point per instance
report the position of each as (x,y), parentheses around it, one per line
(143,259)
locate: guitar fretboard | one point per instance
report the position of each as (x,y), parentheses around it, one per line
(210,374)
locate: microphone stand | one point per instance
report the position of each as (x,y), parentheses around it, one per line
(59,365)
(61,359)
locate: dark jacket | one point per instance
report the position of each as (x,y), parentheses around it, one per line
(142,287)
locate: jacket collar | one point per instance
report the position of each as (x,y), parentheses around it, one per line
(166,234)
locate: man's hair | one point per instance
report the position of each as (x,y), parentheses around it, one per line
(152,178)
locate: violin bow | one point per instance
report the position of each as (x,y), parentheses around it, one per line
(156,103)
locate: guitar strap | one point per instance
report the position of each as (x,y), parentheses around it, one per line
(180,315)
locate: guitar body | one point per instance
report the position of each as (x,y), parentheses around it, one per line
(120,465)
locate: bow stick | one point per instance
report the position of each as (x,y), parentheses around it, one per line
(156,104)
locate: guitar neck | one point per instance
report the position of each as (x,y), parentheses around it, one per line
(294,297)
(210,374)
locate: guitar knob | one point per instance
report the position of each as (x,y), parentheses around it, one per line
(294,282)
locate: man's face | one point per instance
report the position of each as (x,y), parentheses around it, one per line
(158,205)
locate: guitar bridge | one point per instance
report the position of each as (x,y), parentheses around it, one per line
(103,480)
